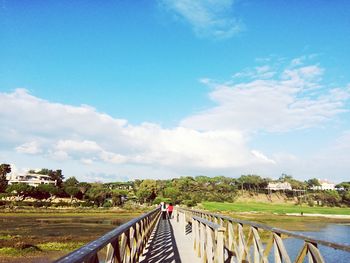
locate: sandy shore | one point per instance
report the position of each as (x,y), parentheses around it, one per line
(320,215)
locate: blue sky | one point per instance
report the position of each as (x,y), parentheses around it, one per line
(135,89)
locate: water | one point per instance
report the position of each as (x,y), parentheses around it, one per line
(338,233)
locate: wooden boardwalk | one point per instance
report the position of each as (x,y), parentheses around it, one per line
(214,237)
(168,243)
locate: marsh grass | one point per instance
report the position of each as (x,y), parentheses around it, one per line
(26,237)
(14,252)
(277,208)
(60,246)
(6,237)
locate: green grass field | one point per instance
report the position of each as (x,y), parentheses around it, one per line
(272,208)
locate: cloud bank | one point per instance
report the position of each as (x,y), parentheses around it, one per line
(35,126)
(213,141)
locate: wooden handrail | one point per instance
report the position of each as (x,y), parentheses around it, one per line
(239,246)
(123,244)
(208,241)
(208,223)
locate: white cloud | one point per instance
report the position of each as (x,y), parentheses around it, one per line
(262,157)
(181,147)
(81,133)
(29,148)
(112,157)
(58,155)
(89,149)
(208,18)
(86,161)
(78,146)
(291,101)
(260,72)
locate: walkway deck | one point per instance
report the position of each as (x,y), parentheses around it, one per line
(169,244)
(219,239)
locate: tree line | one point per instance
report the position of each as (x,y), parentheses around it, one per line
(184,190)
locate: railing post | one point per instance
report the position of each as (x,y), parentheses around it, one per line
(230,235)
(203,240)
(210,244)
(196,238)
(183,222)
(314,253)
(219,255)
(198,249)
(175,214)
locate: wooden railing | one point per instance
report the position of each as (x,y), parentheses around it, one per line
(123,244)
(208,240)
(243,243)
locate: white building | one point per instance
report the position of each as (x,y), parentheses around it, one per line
(324,185)
(279,186)
(30,179)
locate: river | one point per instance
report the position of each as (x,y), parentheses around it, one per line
(338,233)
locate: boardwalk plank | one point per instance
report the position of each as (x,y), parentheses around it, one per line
(169,244)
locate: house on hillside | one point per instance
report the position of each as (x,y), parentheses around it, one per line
(279,186)
(30,179)
(324,185)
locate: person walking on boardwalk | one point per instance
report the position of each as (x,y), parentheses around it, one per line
(163,209)
(170,210)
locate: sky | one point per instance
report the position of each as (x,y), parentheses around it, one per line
(117,90)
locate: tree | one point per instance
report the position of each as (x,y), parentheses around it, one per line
(344,185)
(71,181)
(186,184)
(4,170)
(22,190)
(83,187)
(147,191)
(295,184)
(72,191)
(251,182)
(172,193)
(313,182)
(97,194)
(45,191)
(346,198)
(57,176)
(331,197)
(118,196)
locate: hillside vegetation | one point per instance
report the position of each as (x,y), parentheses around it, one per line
(187,190)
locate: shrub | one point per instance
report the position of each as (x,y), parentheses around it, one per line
(310,202)
(160,199)
(189,203)
(330,198)
(86,204)
(62,204)
(107,204)
(346,198)
(59,246)
(3,195)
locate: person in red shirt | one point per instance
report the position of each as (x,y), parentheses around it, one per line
(170,210)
